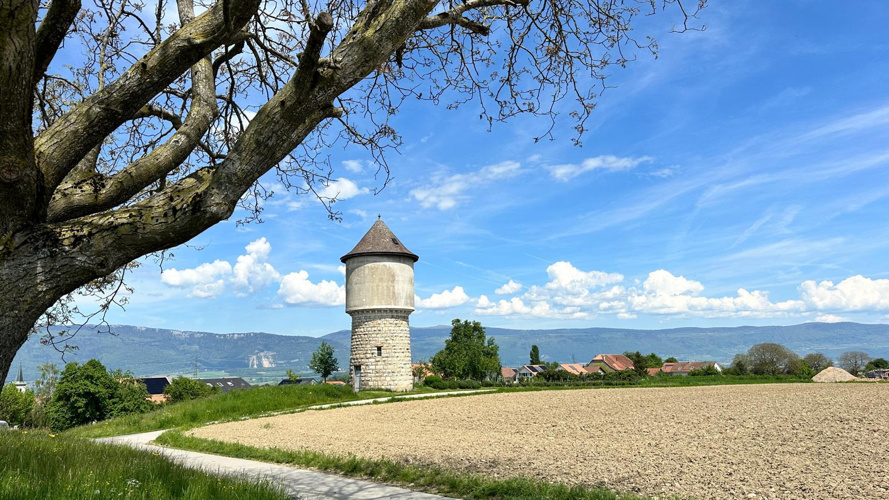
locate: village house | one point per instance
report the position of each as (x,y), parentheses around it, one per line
(682,368)
(509,374)
(156,386)
(528,371)
(609,363)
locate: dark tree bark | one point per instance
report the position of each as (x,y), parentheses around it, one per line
(74,210)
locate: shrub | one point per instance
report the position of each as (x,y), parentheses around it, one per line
(185,389)
(706,371)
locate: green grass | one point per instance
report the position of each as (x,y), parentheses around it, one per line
(444,482)
(233,405)
(40,465)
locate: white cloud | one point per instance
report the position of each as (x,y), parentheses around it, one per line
(852,294)
(353,166)
(447,298)
(341,269)
(663,282)
(516,307)
(341,189)
(446,192)
(566,276)
(509,288)
(296,289)
(830,318)
(206,280)
(251,271)
(610,163)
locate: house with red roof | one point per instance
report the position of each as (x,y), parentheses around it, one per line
(508,374)
(609,363)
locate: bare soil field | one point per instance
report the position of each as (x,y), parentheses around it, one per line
(806,441)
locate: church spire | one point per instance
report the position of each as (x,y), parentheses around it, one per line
(20,379)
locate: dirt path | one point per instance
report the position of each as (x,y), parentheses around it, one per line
(807,441)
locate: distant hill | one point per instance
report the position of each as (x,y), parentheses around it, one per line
(154,351)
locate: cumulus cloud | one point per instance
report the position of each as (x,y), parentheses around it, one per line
(509,288)
(566,276)
(251,271)
(856,293)
(297,289)
(206,280)
(447,298)
(341,189)
(516,307)
(573,293)
(830,318)
(446,192)
(609,163)
(663,282)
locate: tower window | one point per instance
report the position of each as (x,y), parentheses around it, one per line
(379,350)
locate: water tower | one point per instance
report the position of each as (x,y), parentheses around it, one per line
(379,298)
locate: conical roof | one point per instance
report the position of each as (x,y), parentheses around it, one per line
(379,241)
(20,379)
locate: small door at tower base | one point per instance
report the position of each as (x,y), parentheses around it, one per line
(357,377)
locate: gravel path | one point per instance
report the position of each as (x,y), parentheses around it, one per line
(809,441)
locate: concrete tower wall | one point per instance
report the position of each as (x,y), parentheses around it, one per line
(379,282)
(381,347)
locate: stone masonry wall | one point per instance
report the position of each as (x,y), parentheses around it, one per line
(389,330)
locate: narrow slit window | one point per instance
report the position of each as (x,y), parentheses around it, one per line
(379,350)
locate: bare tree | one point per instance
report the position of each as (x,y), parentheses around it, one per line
(853,361)
(151,131)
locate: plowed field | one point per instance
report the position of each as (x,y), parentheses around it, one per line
(812,441)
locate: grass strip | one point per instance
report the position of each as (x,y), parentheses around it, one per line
(234,405)
(420,478)
(37,464)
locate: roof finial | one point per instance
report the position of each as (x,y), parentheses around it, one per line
(379,217)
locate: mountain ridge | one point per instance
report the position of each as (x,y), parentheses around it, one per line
(155,351)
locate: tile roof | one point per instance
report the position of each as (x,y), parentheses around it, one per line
(507,372)
(617,362)
(687,366)
(575,368)
(379,240)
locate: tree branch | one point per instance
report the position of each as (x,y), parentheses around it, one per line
(100,192)
(454,16)
(62,145)
(52,31)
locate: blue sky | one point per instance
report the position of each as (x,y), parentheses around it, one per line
(740,178)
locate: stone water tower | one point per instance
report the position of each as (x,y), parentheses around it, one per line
(380,297)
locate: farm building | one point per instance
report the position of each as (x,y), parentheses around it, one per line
(882,374)
(610,363)
(683,368)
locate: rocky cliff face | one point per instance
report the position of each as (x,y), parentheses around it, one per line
(265,359)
